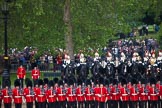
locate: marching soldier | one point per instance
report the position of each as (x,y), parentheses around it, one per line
(88,94)
(143,94)
(115,94)
(124,94)
(61,95)
(158,89)
(40,95)
(134,94)
(102,94)
(17,94)
(29,94)
(80,94)
(7,95)
(153,94)
(96,94)
(21,74)
(51,95)
(45,88)
(35,74)
(35,89)
(71,94)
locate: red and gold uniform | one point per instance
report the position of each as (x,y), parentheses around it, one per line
(6,95)
(124,94)
(35,73)
(71,96)
(17,95)
(40,95)
(89,94)
(80,94)
(153,94)
(21,72)
(96,93)
(29,95)
(51,95)
(61,94)
(134,93)
(103,94)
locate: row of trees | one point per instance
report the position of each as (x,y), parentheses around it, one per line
(74,24)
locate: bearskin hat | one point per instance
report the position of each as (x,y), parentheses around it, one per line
(7,83)
(40,82)
(60,82)
(26,80)
(79,82)
(124,81)
(55,80)
(88,82)
(71,82)
(115,82)
(45,80)
(107,82)
(134,81)
(152,80)
(29,83)
(101,80)
(17,82)
(51,83)
(143,81)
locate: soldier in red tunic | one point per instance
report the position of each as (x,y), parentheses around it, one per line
(134,94)
(17,94)
(102,93)
(29,94)
(40,95)
(71,94)
(61,95)
(21,74)
(89,94)
(160,93)
(35,74)
(36,87)
(143,94)
(108,86)
(80,94)
(51,95)
(7,95)
(96,94)
(124,94)
(153,94)
(115,93)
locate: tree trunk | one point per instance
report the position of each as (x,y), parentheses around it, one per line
(68,29)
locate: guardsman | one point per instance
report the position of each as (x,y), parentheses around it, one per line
(134,94)
(45,80)
(115,91)
(80,94)
(124,94)
(40,95)
(35,89)
(7,95)
(61,95)
(17,94)
(35,74)
(21,74)
(71,94)
(160,93)
(153,93)
(102,93)
(96,94)
(143,94)
(158,89)
(29,94)
(109,87)
(89,92)
(51,95)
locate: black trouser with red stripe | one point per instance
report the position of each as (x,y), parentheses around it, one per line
(29,105)
(18,105)
(143,104)
(7,105)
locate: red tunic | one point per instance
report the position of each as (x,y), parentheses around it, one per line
(17,96)
(21,72)
(51,95)
(61,94)
(40,95)
(71,95)
(89,94)
(124,94)
(143,94)
(133,94)
(103,94)
(153,95)
(29,95)
(35,89)
(6,96)
(80,94)
(160,93)
(96,93)
(115,93)
(35,74)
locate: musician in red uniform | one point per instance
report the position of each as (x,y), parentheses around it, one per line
(143,96)
(17,94)
(158,89)
(40,95)
(21,74)
(96,94)
(153,93)
(61,95)
(102,93)
(51,95)
(36,87)
(80,94)
(115,91)
(134,94)
(89,94)
(35,74)
(124,94)
(7,95)
(71,94)
(29,94)
(109,94)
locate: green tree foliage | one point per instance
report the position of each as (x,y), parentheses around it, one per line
(41,23)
